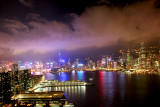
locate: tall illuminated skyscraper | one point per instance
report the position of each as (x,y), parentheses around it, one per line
(129,63)
(124,59)
(142,56)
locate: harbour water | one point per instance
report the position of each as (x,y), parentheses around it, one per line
(111,89)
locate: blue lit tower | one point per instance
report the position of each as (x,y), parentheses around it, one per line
(59,60)
(142,56)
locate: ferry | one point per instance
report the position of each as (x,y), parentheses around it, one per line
(55,83)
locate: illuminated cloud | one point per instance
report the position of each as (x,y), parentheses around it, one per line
(131,23)
(98,26)
(15,26)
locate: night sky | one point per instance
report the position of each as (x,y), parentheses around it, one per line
(31,29)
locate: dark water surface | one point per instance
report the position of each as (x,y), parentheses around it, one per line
(111,89)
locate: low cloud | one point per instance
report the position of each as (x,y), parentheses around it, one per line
(14,26)
(138,22)
(98,26)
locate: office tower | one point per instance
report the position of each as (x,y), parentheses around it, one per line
(24,78)
(90,64)
(129,60)
(98,63)
(124,59)
(142,56)
(14,77)
(19,79)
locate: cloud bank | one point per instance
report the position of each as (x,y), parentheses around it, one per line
(98,26)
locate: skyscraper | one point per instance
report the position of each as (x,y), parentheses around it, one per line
(142,56)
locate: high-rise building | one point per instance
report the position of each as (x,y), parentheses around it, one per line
(59,60)
(4,87)
(129,60)
(142,56)
(15,67)
(24,78)
(124,59)
(19,79)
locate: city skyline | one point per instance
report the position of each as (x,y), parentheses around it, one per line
(40,29)
(144,59)
(79,53)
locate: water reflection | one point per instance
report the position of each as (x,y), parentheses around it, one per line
(36,73)
(122,85)
(80,75)
(107,87)
(63,76)
(111,89)
(49,75)
(74,75)
(71,92)
(101,86)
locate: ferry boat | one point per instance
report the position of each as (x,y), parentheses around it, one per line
(55,83)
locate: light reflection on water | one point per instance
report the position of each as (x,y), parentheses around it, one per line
(122,85)
(111,89)
(63,76)
(69,90)
(80,75)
